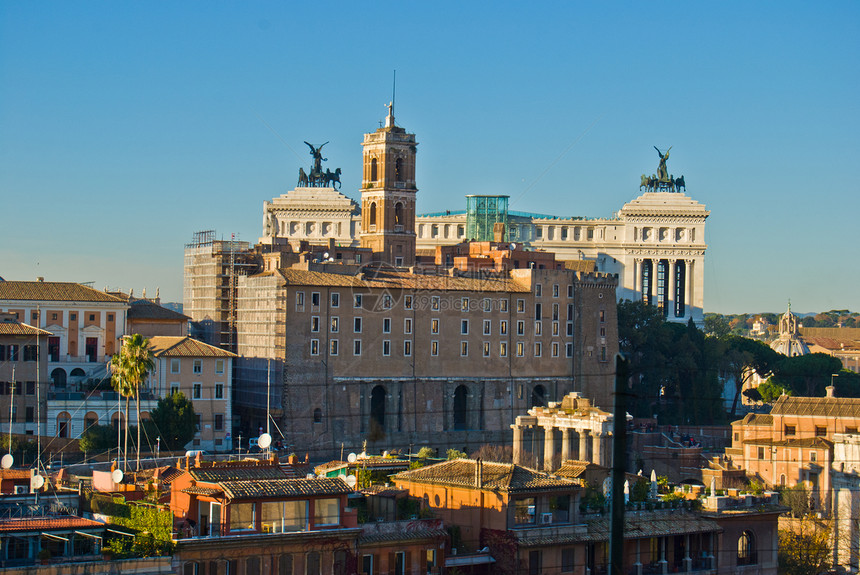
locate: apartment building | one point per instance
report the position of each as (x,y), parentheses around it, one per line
(23,374)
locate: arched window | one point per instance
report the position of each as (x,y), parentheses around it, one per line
(58,377)
(539,396)
(317,415)
(398,214)
(116,420)
(91,419)
(746,549)
(285,564)
(373,170)
(63,424)
(373,213)
(398,170)
(78,372)
(461,413)
(377,410)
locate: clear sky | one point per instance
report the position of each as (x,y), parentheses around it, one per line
(127,126)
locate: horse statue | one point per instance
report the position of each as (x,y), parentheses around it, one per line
(332,177)
(644,183)
(679,183)
(303,178)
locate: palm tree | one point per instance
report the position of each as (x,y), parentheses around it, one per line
(119,381)
(135,361)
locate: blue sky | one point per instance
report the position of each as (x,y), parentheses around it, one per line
(126,127)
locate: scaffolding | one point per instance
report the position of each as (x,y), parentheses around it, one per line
(482,213)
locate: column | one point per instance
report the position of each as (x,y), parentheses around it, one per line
(548,447)
(688,287)
(664,565)
(688,562)
(518,442)
(670,288)
(583,445)
(637,278)
(565,444)
(638,565)
(597,452)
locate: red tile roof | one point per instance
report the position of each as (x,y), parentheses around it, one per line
(504,477)
(176,346)
(18,328)
(817,406)
(53,291)
(47,524)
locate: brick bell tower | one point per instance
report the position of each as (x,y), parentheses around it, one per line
(388,194)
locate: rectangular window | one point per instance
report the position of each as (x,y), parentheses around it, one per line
(386,347)
(315,347)
(356,347)
(29,415)
(570,312)
(538,311)
(300,301)
(434,348)
(54,317)
(464,348)
(570,290)
(521,349)
(219,391)
(538,290)
(327,512)
(386,301)
(521,306)
(761,452)
(503,327)
(555,330)
(332,347)
(242,516)
(603,356)
(92,317)
(315,323)
(555,312)
(555,290)
(602,315)
(464,327)
(407,348)
(407,302)
(568,350)
(554,349)
(464,304)
(335,299)
(356,325)
(434,326)
(820,431)
(174,388)
(503,305)
(356,300)
(524,510)
(602,331)
(334,324)
(487,305)
(315,299)
(434,303)
(789,430)
(813,456)
(407,325)
(488,326)
(521,327)
(198,391)
(198,366)
(219,422)
(537,349)
(73,317)
(503,349)
(537,328)
(219,366)
(486,349)
(367,565)
(386,325)
(110,317)
(31,388)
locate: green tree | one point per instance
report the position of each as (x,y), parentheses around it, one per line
(132,364)
(806,548)
(769,391)
(716,325)
(97,438)
(456,454)
(743,357)
(174,420)
(807,375)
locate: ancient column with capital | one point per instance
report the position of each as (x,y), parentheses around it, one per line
(596,448)
(518,442)
(565,444)
(548,447)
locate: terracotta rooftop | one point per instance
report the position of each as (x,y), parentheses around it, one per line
(572,468)
(505,477)
(401,281)
(394,531)
(47,524)
(176,346)
(217,474)
(284,488)
(142,309)
(758,419)
(819,442)
(53,291)
(18,328)
(15,473)
(817,406)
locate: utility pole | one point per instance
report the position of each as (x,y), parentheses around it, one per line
(619,448)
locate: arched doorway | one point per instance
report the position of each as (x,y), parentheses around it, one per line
(538,396)
(377,412)
(461,412)
(58,378)
(63,424)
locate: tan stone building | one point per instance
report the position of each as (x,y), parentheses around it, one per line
(204,373)
(23,375)
(405,358)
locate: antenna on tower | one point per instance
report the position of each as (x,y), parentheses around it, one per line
(393,89)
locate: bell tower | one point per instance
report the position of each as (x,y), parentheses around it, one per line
(388,194)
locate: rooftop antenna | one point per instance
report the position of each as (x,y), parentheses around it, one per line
(393,89)
(389,121)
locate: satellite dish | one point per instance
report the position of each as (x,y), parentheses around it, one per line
(38,482)
(352,457)
(7,461)
(116,475)
(264,441)
(310,476)
(513,246)
(325,256)
(385,453)
(351,480)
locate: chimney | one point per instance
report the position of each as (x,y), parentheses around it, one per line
(40,279)
(479,473)
(830,391)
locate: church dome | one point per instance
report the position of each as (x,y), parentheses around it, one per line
(789,342)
